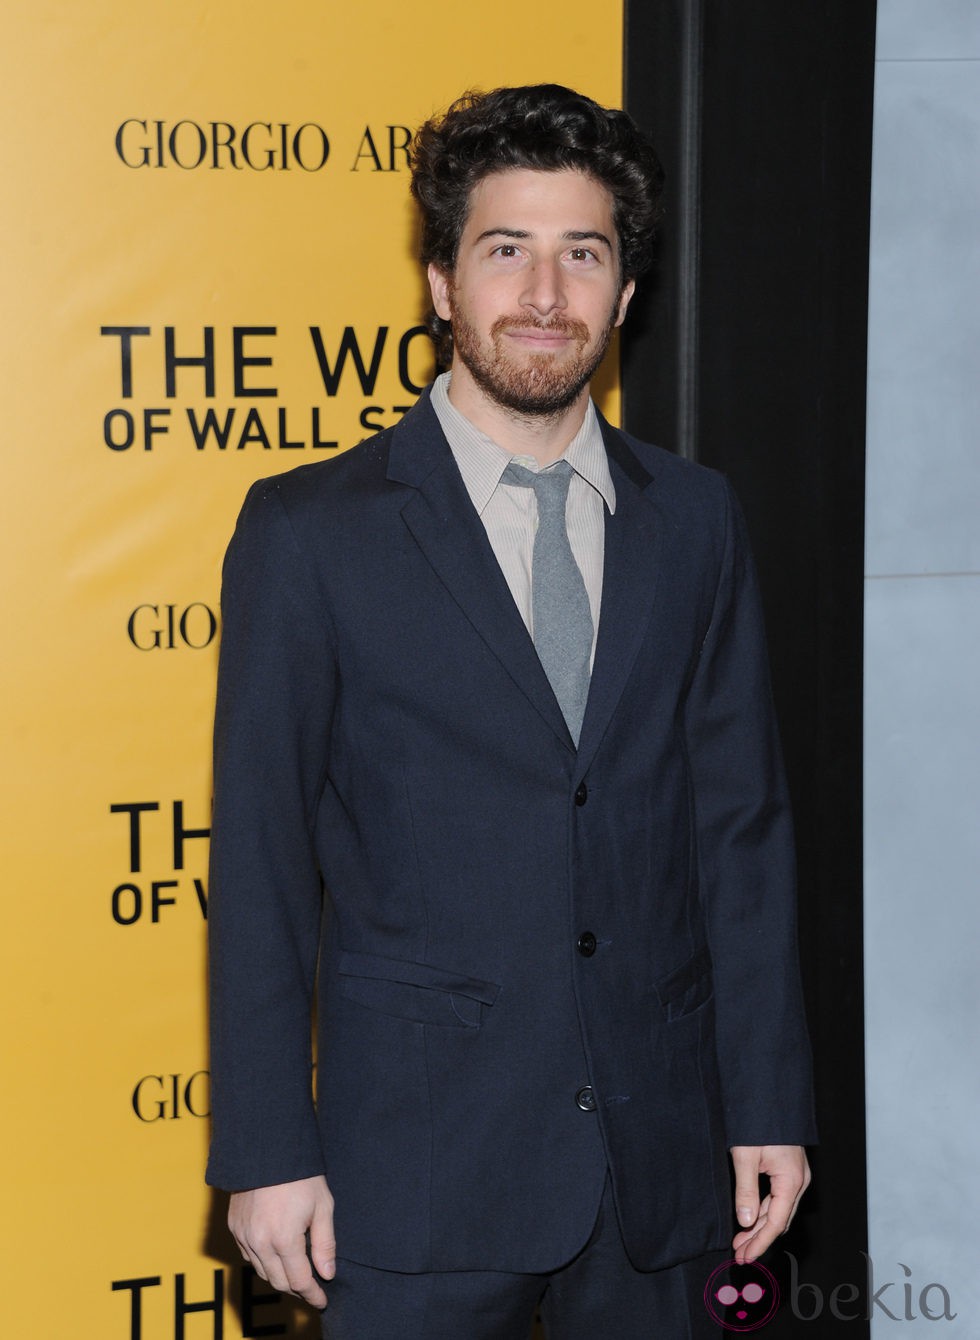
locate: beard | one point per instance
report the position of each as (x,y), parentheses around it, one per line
(539,385)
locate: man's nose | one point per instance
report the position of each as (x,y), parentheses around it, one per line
(545,288)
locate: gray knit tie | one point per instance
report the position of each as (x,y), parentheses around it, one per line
(560,615)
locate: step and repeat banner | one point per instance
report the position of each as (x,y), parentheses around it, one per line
(209,276)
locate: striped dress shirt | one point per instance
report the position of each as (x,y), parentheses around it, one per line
(510,513)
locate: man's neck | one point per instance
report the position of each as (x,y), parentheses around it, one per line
(543,437)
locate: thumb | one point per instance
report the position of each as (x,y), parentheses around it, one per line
(323,1246)
(745,1160)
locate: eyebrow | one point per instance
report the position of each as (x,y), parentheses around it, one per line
(570,235)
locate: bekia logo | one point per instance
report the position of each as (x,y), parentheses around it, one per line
(741,1298)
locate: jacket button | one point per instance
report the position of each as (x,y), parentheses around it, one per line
(585,1099)
(586,944)
(581,794)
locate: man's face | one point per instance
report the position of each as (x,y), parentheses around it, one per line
(535,295)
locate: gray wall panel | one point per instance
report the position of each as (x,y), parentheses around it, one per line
(928,29)
(922,928)
(923,503)
(922,649)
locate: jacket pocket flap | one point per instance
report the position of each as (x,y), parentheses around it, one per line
(417,974)
(681,982)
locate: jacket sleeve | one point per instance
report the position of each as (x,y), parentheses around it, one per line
(276,687)
(746,865)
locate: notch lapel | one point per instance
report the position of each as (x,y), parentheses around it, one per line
(631,570)
(450,534)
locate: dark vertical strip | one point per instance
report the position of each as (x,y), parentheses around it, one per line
(687,362)
(774,319)
(663,92)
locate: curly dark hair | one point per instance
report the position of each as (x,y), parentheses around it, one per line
(547,128)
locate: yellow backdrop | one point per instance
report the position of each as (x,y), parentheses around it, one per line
(209,277)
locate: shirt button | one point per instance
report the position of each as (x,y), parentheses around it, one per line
(581,794)
(585,1099)
(586,944)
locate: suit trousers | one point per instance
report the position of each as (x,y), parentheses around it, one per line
(598,1295)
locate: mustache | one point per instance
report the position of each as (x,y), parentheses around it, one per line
(556,325)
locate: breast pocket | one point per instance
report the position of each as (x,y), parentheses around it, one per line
(684,990)
(420,992)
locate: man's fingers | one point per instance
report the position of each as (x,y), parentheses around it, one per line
(287,1269)
(745,1161)
(757,1240)
(789,1176)
(782,1207)
(241,1242)
(270,1225)
(299,1278)
(323,1246)
(788,1179)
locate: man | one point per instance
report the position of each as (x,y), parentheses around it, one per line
(516,723)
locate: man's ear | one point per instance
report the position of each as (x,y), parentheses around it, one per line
(624,302)
(440,285)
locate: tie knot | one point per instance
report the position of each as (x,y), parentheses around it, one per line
(550,485)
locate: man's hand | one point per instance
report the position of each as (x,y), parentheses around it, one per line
(789,1176)
(270,1224)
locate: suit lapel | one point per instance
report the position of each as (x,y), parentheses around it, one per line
(450,534)
(631,568)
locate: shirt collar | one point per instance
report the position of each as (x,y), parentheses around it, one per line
(481,461)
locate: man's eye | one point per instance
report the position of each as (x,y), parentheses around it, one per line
(507,250)
(582,254)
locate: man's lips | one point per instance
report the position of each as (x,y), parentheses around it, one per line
(545,339)
(542,337)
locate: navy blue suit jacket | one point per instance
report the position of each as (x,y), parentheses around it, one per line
(385,732)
